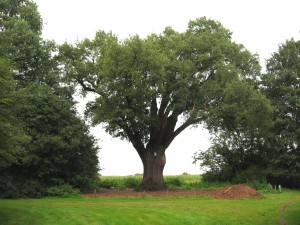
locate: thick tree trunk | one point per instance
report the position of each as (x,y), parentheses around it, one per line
(154,162)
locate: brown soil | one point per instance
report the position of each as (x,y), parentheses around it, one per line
(231,192)
(237,192)
(132,193)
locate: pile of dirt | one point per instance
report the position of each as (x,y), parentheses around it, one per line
(237,192)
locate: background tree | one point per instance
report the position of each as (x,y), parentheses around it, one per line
(271,152)
(59,148)
(149,90)
(31,57)
(11,134)
(239,130)
(281,84)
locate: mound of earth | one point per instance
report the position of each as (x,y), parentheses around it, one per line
(237,192)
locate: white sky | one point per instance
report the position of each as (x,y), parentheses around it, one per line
(260,25)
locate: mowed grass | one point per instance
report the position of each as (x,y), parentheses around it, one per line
(152,210)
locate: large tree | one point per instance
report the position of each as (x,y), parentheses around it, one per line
(149,90)
(11,134)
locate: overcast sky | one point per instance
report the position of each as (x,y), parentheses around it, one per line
(259,25)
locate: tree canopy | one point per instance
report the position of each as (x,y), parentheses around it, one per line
(149,90)
(281,85)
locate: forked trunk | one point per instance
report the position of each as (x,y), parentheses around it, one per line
(154,162)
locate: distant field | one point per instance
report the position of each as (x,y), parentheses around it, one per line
(190,182)
(283,208)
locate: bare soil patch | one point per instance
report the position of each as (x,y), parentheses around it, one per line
(230,192)
(132,193)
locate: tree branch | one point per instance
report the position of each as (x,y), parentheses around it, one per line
(153,115)
(84,86)
(163,105)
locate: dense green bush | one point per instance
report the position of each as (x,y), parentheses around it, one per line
(132,182)
(260,185)
(120,183)
(173,181)
(252,173)
(111,182)
(217,176)
(12,187)
(64,190)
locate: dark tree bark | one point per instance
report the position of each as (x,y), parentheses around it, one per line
(154,161)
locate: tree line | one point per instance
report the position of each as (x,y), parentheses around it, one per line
(43,142)
(272,152)
(147,91)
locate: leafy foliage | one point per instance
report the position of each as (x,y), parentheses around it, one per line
(262,147)
(42,141)
(61,147)
(120,183)
(64,190)
(11,132)
(149,90)
(282,85)
(239,135)
(13,186)
(185,74)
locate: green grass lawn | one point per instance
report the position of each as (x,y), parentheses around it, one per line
(152,210)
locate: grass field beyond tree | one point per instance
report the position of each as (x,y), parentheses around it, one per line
(190,182)
(275,208)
